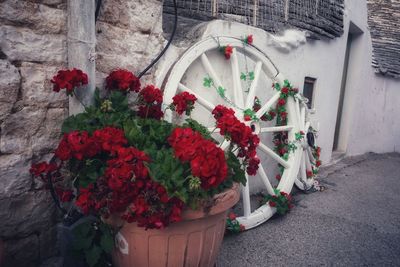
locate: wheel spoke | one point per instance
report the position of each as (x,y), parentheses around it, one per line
(307,160)
(297,109)
(246,198)
(265,180)
(276,129)
(303,169)
(237,87)
(268,105)
(275,156)
(253,87)
(213,129)
(225,144)
(210,70)
(303,117)
(205,103)
(310,155)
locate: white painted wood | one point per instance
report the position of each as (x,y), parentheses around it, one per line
(273,155)
(276,129)
(200,99)
(246,198)
(81,40)
(265,180)
(210,70)
(268,105)
(253,86)
(237,87)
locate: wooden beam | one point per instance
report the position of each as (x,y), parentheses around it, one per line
(81,41)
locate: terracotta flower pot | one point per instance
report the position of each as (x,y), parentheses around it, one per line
(194,241)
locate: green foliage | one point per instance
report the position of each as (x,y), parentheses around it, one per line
(195,125)
(233,226)
(93,242)
(281,201)
(208,82)
(221,91)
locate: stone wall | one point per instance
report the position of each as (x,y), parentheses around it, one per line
(33,46)
(129,35)
(32,49)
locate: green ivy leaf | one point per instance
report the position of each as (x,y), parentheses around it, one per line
(208,82)
(243,76)
(221,91)
(251,75)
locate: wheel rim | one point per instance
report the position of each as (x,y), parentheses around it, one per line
(304,181)
(203,59)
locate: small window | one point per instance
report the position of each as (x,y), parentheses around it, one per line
(308,90)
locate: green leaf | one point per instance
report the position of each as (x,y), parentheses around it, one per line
(107,242)
(221,91)
(243,76)
(277,86)
(208,82)
(251,75)
(93,255)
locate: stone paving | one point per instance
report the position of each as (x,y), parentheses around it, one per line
(354,222)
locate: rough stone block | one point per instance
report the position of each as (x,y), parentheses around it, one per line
(122,48)
(41,18)
(22,252)
(134,15)
(9,85)
(17,129)
(48,136)
(32,212)
(37,90)
(23,44)
(14,175)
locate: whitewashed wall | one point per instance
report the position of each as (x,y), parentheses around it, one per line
(371,101)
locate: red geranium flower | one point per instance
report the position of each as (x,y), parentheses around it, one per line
(249,39)
(42,168)
(183,102)
(68,80)
(232,216)
(122,80)
(228,50)
(281,102)
(151,95)
(153,111)
(285,90)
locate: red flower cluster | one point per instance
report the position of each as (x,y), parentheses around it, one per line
(207,161)
(68,80)
(275,199)
(80,145)
(240,134)
(227,51)
(42,168)
(126,187)
(183,102)
(249,39)
(122,80)
(150,98)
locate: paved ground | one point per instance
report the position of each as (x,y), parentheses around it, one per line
(355,222)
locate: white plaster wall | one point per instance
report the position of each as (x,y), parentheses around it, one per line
(373,101)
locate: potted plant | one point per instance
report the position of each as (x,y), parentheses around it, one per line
(165,188)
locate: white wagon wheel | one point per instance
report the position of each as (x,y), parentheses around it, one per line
(308,163)
(204,59)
